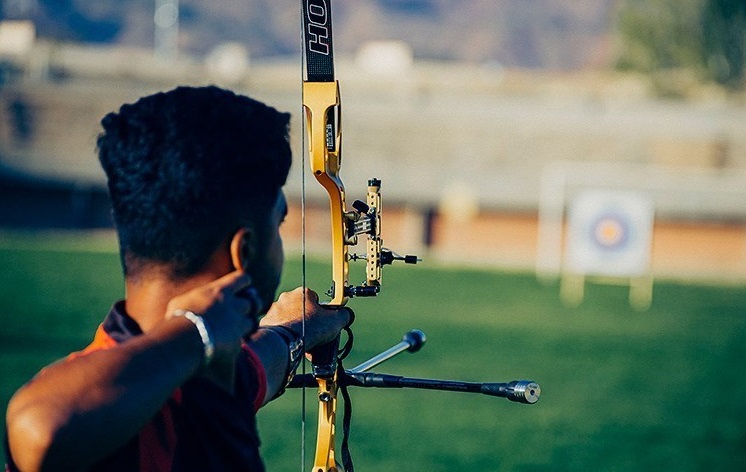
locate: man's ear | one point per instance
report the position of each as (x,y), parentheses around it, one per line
(242,248)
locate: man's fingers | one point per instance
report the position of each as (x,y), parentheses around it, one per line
(350,314)
(251,295)
(234,281)
(238,284)
(312,296)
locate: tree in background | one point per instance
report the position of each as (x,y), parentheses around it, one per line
(707,37)
(724,40)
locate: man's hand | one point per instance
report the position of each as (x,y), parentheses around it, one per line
(322,324)
(229,312)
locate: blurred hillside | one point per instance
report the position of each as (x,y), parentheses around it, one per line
(560,34)
(703,40)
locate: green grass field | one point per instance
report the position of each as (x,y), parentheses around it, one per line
(622,390)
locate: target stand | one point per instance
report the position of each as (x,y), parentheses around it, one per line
(609,238)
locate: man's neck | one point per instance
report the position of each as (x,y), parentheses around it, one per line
(147,296)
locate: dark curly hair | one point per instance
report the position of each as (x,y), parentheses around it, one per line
(186,169)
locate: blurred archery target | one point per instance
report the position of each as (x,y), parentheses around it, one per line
(609,233)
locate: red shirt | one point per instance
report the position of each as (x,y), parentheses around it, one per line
(200,427)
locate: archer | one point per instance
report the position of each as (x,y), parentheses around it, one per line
(178,368)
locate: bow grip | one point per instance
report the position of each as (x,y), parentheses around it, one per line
(321,102)
(324,359)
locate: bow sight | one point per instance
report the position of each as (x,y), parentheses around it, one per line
(365,219)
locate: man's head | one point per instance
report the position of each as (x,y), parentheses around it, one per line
(186,170)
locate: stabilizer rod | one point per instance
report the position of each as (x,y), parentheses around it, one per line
(521,391)
(412,341)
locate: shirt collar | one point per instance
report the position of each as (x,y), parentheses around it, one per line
(119,325)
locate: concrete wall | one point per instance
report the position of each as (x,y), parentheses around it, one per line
(463,151)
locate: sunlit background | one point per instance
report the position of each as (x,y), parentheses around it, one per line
(500,111)
(584,143)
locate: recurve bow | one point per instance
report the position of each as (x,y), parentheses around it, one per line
(322,107)
(322,112)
